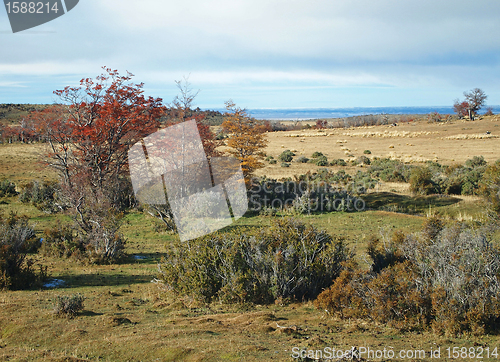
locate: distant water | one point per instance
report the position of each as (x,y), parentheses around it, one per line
(318,113)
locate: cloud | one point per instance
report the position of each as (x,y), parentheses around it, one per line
(265,45)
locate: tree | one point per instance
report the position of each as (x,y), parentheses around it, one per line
(246,139)
(461,108)
(475,99)
(181,111)
(89,135)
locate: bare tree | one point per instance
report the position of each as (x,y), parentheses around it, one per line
(476,98)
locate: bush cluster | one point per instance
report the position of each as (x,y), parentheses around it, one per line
(312,193)
(445,279)
(286,156)
(60,241)
(17,239)
(390,170)
(338,162)
(7,188)
(42,195)
(434,178)
(287,261)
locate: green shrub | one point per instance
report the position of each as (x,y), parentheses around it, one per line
(273,162)
(288,260)
(421,182)
(7,188)
(338,162)
(285,164)
(390,170)
(61,242)
(321,161)
(489,186)
(42,195)
(317,154)
(269,158)
(17,239)
(286,156)
(69,306)
(367,152)
(476,161)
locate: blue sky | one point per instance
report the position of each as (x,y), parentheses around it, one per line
(265,53)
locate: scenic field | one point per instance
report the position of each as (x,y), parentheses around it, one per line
(129,316)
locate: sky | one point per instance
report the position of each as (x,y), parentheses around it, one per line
(265,53)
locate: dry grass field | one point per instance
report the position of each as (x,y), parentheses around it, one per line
(413,142)
(126,317)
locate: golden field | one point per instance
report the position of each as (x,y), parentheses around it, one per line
(413,142)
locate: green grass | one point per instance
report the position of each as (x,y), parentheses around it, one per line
(126,317)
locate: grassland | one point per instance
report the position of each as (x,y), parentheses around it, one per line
(127,317)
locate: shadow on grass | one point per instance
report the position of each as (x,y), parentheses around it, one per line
(89,313)
(388,200)
(144,258)
(101,279)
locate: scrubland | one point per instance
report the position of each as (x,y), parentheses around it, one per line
(129,316)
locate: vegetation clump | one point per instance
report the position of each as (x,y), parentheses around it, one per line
(69,306)
(7,188)
(17,239)
(286,156)
(287,261)
(445,279)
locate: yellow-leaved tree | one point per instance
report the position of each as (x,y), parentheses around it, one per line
(246,139)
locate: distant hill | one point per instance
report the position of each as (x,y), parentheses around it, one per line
(14,113)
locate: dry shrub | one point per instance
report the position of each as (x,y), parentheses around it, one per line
(445,279)
(17,239)
(69,306)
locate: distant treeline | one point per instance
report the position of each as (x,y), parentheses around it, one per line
(18,122)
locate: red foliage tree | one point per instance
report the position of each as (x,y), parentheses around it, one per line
(90,134)
(461,108)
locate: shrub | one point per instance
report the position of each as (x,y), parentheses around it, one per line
(447,280)
(338,162)
(476,161)
(286,156)
(302,159)
(69,306)
(269,158)
(321,161)
(317,154)
(489,186)
(363,160)
(421,181)
(17,239)
(288,260)
(285,164)
(41,195)
(7,188)
(387,253)
(273,162)
(367,152)
(61,242)
(321,124)
(390,170)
